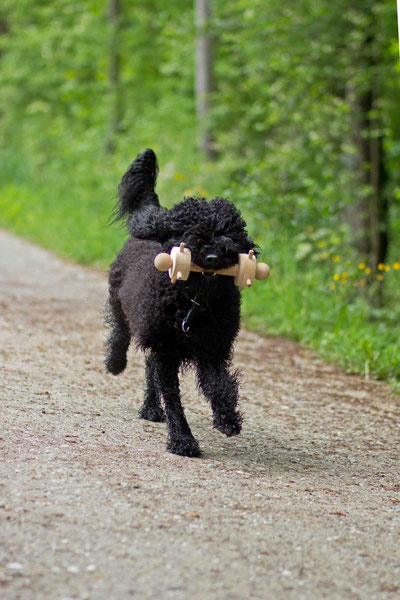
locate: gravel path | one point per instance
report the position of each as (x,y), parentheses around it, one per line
(304,504)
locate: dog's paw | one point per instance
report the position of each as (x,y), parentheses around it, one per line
(184,446)
(152,413)
(115,366)
(229,425)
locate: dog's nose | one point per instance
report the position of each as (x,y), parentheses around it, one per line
(210,261)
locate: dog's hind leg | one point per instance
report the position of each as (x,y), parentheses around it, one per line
(180,438)
(221,388)
(119,339)
(151,408)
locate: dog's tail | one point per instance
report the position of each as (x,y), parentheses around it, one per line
(136,189)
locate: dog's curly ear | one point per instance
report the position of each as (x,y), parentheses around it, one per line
(149,223)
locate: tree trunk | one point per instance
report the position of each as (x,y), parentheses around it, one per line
(357,214)
(369,218)
(378,200)
(3,28)
(114,11)
(204,76)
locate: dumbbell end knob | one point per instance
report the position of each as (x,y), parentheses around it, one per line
(163,261)
(262,271)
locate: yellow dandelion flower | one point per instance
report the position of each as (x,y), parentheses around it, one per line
(188,193)
(333,287)
(324,255)
(362,266)
(396,266)
(379,277)
(336,258)
(336,277)
(381,266)
(363,282)
(387,267)
(200,190)
(345,275)
(368,271)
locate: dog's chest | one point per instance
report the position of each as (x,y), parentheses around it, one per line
(202,320)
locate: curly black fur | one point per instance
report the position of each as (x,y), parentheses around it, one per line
(144,304)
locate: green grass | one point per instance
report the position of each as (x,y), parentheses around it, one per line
(65,206)
(62,197)
(302,306)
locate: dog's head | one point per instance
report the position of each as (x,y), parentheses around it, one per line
(213,231)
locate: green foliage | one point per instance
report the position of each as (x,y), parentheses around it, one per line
(281,119)
(282,109)
(305,303)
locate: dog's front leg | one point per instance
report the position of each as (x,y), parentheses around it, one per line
(151,408)
(181,440)
(221,388)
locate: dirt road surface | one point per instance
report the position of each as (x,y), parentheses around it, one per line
(304,504)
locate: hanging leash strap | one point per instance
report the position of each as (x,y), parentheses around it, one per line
(193,311)
(199,303)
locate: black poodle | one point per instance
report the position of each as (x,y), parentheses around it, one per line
(188,322)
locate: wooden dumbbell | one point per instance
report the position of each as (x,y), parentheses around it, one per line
(179,265)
